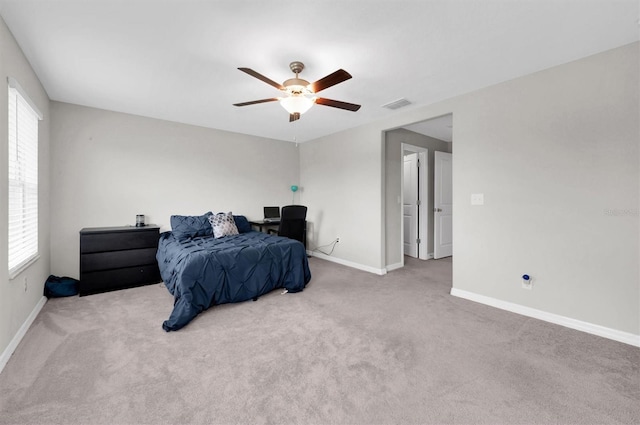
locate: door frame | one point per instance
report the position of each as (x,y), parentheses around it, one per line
(423,192)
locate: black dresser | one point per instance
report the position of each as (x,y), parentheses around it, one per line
(118,257)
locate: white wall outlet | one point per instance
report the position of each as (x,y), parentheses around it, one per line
(527,282)
(477,199)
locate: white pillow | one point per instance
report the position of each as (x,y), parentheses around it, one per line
(223,224)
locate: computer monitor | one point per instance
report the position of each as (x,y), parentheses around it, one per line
(271,213)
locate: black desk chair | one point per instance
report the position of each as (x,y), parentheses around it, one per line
(293,223)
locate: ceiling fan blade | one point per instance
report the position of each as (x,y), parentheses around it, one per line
(253,102)
(294,117)
(337,104)
(330,80)
(262,78)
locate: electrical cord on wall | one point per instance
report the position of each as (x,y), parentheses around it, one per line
(330,244)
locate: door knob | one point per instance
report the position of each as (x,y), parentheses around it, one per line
(437,210)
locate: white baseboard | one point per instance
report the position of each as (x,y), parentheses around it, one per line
(8,352)
(347,263)
(392,267)
(616,335)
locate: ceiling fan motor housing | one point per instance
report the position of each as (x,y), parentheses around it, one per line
(297,86)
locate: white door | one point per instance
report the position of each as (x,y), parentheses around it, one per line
(443,203)
(410,205)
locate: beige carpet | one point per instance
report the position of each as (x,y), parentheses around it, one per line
(353,348)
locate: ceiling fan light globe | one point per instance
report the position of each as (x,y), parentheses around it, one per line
(296,103)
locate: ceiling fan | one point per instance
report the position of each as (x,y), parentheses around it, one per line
(299,94)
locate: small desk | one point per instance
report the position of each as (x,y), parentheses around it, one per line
(261,224)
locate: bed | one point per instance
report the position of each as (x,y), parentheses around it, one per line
(201,270)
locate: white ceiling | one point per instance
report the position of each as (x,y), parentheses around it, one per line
(177,59)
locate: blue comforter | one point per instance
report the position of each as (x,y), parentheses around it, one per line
(204,271)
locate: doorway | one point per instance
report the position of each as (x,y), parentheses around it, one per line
(428,136)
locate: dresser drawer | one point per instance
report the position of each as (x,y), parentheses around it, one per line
(117,259)
(106,280)
(116,241)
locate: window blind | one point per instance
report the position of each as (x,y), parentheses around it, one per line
(23,180)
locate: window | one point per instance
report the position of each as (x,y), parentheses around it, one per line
(23,179)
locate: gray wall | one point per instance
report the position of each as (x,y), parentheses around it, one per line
(555,154)
(393,166)
(340,175)
(108,167)
(15,303)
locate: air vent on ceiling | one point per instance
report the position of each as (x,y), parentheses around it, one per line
(397,104)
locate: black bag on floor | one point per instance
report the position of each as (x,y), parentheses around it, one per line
(56,287)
